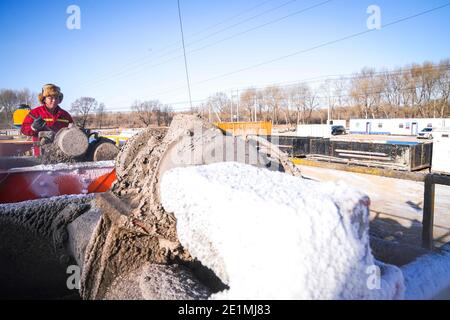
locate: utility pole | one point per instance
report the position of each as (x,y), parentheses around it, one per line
(184,53)
(231,98)
(209,112)
(256,118)
(238,102)
(329,103)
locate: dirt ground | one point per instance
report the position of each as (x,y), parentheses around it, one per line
(375,138)
(394,202)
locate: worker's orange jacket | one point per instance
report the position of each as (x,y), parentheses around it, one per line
(55,121)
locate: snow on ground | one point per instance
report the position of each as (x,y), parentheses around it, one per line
(268,235)
(428,276)
(402,200)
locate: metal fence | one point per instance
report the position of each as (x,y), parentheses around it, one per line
(405,157)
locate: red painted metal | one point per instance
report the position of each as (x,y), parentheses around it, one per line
(102,183)
(30,184)
(11,148)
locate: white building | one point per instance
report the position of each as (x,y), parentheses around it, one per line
(441,151)
(405,127)
(319,130)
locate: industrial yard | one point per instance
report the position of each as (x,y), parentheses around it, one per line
(249,151)
(96,194)
(397,201)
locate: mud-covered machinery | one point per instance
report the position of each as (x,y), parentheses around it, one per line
(126,229)
(72,161)
(75,145)
(123,244)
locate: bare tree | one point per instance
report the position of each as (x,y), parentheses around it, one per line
(340,88)
(167,114)
(272,97)
(219,104)
(10,99)
(25,96)
(148,110)
(443,87)
(297,96)
(100,112)
(143,111)
(158,114)
(329,99)
(410,91)
(248,103)
(310,102)
(82,108)
(393,92)
(415,89)
(365,92)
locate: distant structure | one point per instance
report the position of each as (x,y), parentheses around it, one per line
(405,127)
(19,115)
(441,151)
(319,130)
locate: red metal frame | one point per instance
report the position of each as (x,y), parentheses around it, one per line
(22,185)
(11,148)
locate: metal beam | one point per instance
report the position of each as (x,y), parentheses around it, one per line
(428,207)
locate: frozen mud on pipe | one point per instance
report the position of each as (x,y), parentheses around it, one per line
(428,276)
(268,235)
(33,255)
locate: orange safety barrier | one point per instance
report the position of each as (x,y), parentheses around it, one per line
(102,183)
(246,128)
(23,185)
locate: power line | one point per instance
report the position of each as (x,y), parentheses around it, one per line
(297,97)
(325,79)
(127,73)
(232,18)
(263,25)
(138,61)
(234,35)
(322,45)
(325,44)
(184,52)
(244,21)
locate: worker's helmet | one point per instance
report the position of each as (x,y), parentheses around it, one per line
(50,90)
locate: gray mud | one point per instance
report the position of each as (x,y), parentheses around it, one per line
(33,258)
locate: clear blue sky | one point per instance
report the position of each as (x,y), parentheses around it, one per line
(117,56)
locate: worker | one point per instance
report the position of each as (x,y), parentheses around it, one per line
(49,116)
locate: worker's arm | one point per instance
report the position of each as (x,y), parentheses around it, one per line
(26,126)
(68,117)
(32,124)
